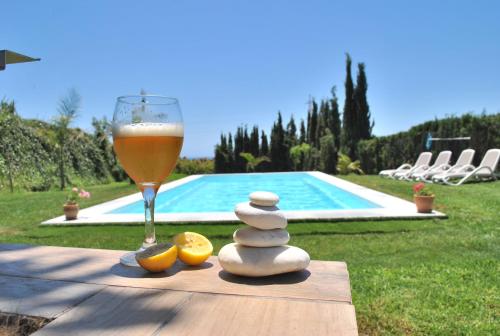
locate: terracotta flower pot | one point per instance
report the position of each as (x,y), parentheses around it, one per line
(71,211)
(424,203)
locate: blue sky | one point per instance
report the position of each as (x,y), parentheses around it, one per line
(239,62)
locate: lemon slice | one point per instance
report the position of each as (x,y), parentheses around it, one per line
(193,248)
(157,258)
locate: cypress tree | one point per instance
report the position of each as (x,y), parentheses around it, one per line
(254,142)
(239,162)
(279,149)
(220,161)
(302,137)
(264,145)
(322,119)
(362,108)
(313,136)
(230,153)
(334,118)
(308,125)
(246,141)
(349,125)
(291,133)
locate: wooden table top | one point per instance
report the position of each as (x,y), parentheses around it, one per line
(88,292)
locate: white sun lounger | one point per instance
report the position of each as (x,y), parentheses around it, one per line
(464,163)
(416,169)
(485,171)
(441,164)
(423,160)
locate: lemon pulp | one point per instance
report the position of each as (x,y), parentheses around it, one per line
(193,248)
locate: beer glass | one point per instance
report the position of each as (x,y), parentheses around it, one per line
(148,133)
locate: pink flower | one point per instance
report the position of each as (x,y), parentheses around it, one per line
(84,194)
(75,189)
(419,186)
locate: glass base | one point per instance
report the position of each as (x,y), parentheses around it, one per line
(128,259)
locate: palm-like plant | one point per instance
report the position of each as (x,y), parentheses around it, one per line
(252,161)
(67,111)
(346,166)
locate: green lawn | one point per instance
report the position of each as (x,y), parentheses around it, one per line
(424,277)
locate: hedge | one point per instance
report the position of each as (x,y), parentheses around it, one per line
(391,151)
(28,154)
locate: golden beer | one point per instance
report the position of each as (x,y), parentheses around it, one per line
(148,152)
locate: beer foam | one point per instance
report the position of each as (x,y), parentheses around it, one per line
(149,129)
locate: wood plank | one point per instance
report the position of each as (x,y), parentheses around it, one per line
(133,311)
(323,280)
(37,297)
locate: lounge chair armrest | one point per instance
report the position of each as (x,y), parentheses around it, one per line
(404,166)
(445,166)
(441,167)
(468,167)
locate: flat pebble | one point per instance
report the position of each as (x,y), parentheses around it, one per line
(261,217)
(264,198)
(250,236)
(256,262)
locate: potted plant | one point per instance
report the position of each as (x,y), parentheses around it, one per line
(424,197)
(71,207)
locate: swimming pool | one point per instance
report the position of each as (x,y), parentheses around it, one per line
(220,193)
(211,198)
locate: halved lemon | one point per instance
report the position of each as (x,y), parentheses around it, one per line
(157,258)
(193,248)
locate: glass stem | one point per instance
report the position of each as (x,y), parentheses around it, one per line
(149,194)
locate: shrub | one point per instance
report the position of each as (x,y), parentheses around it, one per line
(194,166)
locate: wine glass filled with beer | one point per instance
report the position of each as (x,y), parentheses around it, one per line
(148,133)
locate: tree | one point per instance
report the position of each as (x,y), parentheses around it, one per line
(349,124)
(221,156)
(334,118)
(264,145)
(252,162)
(239,163)
(67,111)
(246,140)
(279,150)
(230,153)
(299,155)
(313,127)
(322,119)
(302,137)
(291,133)
(219,160)
(254,141)
(362,108)
(328,153)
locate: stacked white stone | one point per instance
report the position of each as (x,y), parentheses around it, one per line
(260,248)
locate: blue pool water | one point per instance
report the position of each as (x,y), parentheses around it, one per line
(220,193)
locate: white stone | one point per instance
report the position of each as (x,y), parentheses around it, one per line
(260,217)
(255,262)
(250,236)
(264,198)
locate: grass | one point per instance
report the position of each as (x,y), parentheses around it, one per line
(425,277)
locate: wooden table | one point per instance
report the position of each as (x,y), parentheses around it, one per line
(89,293)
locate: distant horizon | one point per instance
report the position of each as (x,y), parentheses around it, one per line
(235,64)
